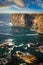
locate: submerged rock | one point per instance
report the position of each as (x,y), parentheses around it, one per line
(26,57)
(41,64)
(40,48)
(23,64)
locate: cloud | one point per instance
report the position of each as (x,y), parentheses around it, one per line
(12,3)
(18,2)
(18,10)
(18,6)
(13,10)
(39,3)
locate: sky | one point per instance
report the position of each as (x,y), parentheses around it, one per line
(21,6)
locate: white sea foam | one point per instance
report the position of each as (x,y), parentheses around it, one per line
(31,34)
(10,43)
(10,40)
(15,46)
(28,45)
(18,45)
(6,34)
(25,48)
(21,45)
(32,29)
(9,24)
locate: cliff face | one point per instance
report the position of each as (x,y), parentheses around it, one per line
(21,20)
(18,20)
(38,23)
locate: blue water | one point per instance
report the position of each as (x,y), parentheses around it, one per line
(19,35)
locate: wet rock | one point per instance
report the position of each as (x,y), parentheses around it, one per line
(28,58)
(40,49)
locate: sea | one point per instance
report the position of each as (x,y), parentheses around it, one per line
(21,37)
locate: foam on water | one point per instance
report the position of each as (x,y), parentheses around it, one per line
(6,34)
(9,24)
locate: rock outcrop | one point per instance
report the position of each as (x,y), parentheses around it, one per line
(18,20)
(26,57)
(38,23)
(40,48)
(22,20)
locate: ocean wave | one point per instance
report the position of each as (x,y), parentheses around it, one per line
(31,34)
(9,39)
(6,34)
(25,47)
(9,24)
(1,22)
(32,29)
(19,45)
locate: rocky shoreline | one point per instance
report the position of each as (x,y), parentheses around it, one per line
(19,58)
(12,59)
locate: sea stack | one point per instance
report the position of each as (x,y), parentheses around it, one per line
(18,20)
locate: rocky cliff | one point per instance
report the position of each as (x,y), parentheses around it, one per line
(22,20)
(38,23)
(18,20)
